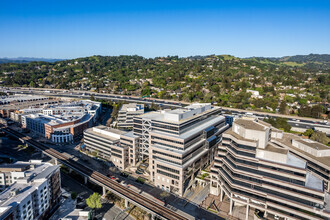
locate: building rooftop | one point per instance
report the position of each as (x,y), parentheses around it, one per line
(274,149)
(132,107)
(106,132)
(313,144)
(14,167)
(251,124)
(180,115)
(237,136)
(286,141)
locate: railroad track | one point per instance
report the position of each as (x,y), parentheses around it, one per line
(113,185)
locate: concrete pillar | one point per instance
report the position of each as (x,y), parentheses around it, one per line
(126,203)
(265,213)
(70,170)
(104,191)
(85,180)
(231,206)
(153,216)
(247,212)
(55,161)
(221,194)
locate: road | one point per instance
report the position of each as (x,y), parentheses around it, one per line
(161,102)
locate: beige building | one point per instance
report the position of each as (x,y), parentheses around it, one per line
(127,112)
(179,143)
(119,147)
(279,174)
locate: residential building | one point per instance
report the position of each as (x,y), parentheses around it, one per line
(117,146)
(126,114)
(179,143)
(35,191)
(279,174)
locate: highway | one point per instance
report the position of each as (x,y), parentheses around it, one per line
(294,121)
(145,203)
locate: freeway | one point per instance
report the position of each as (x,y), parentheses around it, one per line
(155,208)
(294,121)
(87,94)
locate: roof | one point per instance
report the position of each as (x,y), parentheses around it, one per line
(237,136)
(250,124)
(286,140)
(313,144)
(165,115)
(274,149)
(13,167)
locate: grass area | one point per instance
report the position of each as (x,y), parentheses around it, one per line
(140,180)
(293,64)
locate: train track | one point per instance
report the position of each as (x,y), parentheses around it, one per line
(113,185)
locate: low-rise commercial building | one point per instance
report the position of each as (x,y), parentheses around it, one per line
(279,174)
(127,112)
(34,192)
(65,122)
(179,143)
(119,147)
(7,109)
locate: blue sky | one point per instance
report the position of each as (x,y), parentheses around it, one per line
(70,29)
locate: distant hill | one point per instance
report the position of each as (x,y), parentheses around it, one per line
(304,58)
(311,61)
(27,60)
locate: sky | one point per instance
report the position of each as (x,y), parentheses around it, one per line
(70,29)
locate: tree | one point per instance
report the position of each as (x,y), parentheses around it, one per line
(74,195)
(308,132)
(317,110)
(94,202)
(92,98)
(283,108)
(320,137)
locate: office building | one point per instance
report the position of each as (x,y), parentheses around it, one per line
(127,113)
(34,192)
(279,174)
(119,147)
(179,143)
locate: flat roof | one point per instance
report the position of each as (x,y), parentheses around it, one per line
(274,149)
(286,140)
(161,115)
(250,124)
(237,136)
(313,144)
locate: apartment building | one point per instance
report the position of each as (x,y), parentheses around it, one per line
(34,192)
(119,147)
(179,143)
(126,114)
(279,174)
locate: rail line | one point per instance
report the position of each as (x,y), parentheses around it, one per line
(158,209)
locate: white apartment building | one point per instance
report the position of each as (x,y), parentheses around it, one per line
(35,190)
